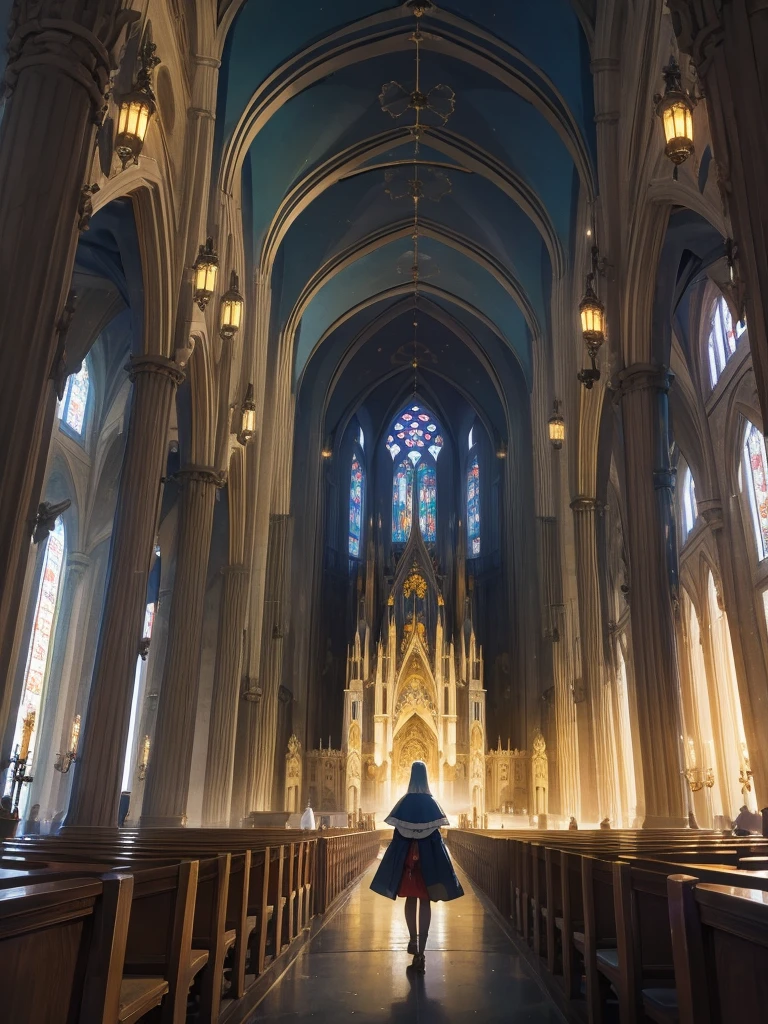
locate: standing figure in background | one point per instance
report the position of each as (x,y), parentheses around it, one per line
(416,864)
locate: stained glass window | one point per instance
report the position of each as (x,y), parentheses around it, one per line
(75,402)
(41,641)
(690,510)
(415,434)
(427,480)
(355,507)
(757,485)
(723,336)
(402,489)
(471,438)
(415,428)
(473,507)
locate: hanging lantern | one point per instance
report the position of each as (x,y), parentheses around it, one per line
(675,108)
(248,418)
(556,428)
(231,309)
(592,314)
(136,108)
(206,268)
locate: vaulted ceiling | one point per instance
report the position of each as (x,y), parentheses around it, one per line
(323,171)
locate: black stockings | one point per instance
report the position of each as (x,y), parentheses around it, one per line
(425,918)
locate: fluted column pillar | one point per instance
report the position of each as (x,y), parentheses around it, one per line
(167,787)
(220,766)
(53,724)
(265,732)
(643,391)
(57,73)
(593,762)
(96,787)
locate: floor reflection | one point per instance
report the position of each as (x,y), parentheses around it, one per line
(356,969)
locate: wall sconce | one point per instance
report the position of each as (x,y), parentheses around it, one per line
(141,768)
(247,418)
(556,428)
(206,268)
(501,451)
(232,303)
(592,314)
(136,108)
(64,762)
(327,450)
(675,108)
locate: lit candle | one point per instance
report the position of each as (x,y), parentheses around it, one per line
(26,734)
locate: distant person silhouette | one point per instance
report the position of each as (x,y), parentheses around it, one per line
(416,864)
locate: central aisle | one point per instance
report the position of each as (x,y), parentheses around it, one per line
(355,969)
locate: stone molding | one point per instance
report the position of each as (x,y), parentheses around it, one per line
(79,46)
(711,511)
(642,377)
(699,28)
(193,473)
(155,364)
(581,503)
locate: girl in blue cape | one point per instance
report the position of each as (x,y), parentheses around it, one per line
(416,864)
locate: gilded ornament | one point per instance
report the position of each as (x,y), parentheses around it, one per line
(415,584)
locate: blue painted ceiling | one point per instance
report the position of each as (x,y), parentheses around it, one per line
(316,162)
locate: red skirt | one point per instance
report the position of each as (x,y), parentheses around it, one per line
(411,880)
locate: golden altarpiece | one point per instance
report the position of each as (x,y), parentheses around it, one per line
(417,695)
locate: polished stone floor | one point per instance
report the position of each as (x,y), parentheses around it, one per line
(355,969)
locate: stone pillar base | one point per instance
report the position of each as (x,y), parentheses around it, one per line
(90,831)
(155,821)
(652,821)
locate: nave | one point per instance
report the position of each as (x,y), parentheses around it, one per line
(356,968)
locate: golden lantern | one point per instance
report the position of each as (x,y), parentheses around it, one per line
(556,428)
(232,303)
(675,108)
(248,418)
(592,313)
(206,268)
(136,108)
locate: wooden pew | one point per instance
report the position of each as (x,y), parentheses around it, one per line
(720,945)
(62,950)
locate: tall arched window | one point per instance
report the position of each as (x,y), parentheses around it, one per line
(355,507)
(402,488)
(756,481)
(427,479)
(473,506)
(690,511)
(416,432)
(723,335)
(74,404)
(41,641)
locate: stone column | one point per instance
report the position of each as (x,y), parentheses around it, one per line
(217,797)
(58,69)
(593,760)
(98,775)
(643,391)
(728,43)
(167,787)
(265,733)
(54,727)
